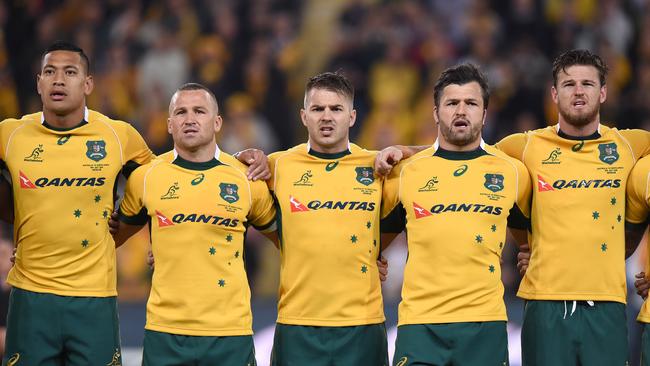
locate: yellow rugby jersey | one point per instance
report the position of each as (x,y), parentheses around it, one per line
(637,209)
(198,213)
(456,207)
(578,211)
(328,224)
(63,183)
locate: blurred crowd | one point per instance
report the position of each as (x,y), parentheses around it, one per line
(256,56)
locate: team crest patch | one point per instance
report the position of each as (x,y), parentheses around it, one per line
(365,175)
(608,153)
(96,150)
(229,192)
(493,182)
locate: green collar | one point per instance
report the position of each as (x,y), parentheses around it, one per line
(460,155)
(205,165)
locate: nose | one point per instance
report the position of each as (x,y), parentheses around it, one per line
(327,114)
(58,78)
(461,109)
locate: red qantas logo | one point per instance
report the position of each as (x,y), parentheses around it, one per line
(25,182)
(542,186)
(420,211)
(163,220)
(296,206)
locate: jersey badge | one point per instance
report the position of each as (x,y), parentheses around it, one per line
(493,182)
(330,166)
(553,157)
(608,153)
(63,139)
(461,170)
(304,179)
(96,149)
(35,156)
(171,192)
(365,175)
(229,192)
(430,185)
(198,179)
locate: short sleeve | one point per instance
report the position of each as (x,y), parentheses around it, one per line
(132,210)
(136,151)
(513,145)
(636,209)
(639,141)
(393,216)
(262,212)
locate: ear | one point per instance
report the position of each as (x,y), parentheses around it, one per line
(218,123)
(89,85)
(169,126)
(303,117)
(38,83)
(554,94)
(353,117)
(484,116)
(435,115)
(603,94)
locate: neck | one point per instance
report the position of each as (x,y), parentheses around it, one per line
(451,147)
(64,121)
(584,130)
(198,155)
(329,149)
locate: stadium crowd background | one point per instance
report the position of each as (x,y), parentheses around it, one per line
(256,56)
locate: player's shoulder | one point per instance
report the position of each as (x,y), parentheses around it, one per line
(141,171)
(231,161)
(115,124)
(643,165)
(17,122)
(296,151)
(494,151)
(359,151)
(412,161)
(633,133)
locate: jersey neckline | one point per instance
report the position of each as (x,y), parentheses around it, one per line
(205,165)
(460,155)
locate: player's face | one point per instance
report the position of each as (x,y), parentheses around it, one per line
(63,83)
(578,95)
(460,116)
(328,117)
(193,120)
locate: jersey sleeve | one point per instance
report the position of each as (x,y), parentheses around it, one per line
(639,141)
(636,209)
(136,151)
(7,127)
(273,160)
(393,216)
(132,210)
(524,190)
(262,213)
(513,145)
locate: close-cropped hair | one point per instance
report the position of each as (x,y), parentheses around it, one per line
(579,57)
(68,46)
(332,81)
(461,75)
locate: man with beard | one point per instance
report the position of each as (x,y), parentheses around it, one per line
(455,200)
(581,169)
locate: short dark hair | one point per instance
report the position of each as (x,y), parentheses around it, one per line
(461,75)
(579,57)
(332,81)
(67,46)
(197,86)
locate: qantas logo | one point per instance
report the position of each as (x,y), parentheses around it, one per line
(420,211)
(297,206)
(25,182)
(542,186)
(163,220)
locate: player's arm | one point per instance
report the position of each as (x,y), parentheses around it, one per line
(519,217)
(637,205)
(262,214)
(132,214)
(387,158)
(136,151)
(258,163)
(393,215)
